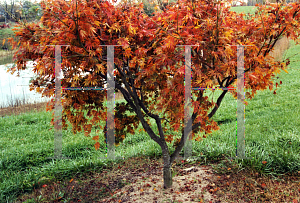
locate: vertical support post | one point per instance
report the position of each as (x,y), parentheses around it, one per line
(240,123)
(58,106)
(110,103)
(187,104)
(240,153)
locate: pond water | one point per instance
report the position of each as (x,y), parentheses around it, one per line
(14,88)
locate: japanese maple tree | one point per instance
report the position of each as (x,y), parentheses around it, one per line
(148,58)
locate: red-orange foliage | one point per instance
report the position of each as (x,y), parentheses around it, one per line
(149,57)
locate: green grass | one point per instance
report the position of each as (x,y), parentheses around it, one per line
(245,9)
(7,32)
(272,131)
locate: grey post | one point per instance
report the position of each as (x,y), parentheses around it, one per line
(240,103)
(240,132)
(110,103)
(58,106)
(187,104)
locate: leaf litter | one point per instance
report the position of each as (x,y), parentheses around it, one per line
(139,179)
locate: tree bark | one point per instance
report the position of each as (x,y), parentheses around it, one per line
(167,171)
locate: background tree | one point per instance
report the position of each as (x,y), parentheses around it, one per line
(148,58)
(17,10)
(31,11)
(148,7)
(4,9)
(10,10)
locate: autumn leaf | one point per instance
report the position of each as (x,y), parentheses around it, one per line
(128,52)
(124,42)
(97,145)
(228,34)
(97,23)
(176,127)
(83,34)
(132,30)
(96,138)
(100,68)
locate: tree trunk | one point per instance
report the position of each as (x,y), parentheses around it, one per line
(167,172)
(167,177)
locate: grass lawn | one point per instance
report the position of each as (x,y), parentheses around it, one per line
(246,9)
